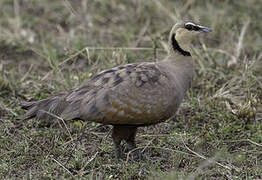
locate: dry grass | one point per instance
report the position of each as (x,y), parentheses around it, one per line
(50,46)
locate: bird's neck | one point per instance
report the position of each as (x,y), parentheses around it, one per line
(179,57)
(177,47)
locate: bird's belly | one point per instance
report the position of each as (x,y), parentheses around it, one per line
(140,109)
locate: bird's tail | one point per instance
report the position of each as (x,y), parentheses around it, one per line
(44,109)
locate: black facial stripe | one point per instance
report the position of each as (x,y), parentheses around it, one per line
(196,28)
(192,27)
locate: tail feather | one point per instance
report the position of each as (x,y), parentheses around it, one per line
(27,105)
(45,109)
(29,114)
(32,108)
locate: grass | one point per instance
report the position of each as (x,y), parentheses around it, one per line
(47,47)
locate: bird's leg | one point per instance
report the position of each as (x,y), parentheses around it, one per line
(130,140)
(130,137)
(117,141)
(131,146)
(127,133)
(117,147)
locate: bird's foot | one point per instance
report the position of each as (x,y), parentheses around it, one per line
(135,155)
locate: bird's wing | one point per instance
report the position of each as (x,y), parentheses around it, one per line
(130,94)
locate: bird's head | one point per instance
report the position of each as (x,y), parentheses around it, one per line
(182,34)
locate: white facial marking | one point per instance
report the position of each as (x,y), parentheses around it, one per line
(201,26)
(190,23)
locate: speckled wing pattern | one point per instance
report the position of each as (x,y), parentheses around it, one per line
(129,94)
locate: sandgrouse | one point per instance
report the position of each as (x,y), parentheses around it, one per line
(131,95)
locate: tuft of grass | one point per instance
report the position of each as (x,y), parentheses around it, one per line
(50,46)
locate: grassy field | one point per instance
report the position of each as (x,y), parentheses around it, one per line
(51,46)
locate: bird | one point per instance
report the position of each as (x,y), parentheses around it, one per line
(131,95)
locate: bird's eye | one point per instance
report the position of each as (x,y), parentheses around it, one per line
(189,27)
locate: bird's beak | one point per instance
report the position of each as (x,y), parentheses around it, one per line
(205,29)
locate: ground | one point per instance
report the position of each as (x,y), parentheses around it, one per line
(50,46)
